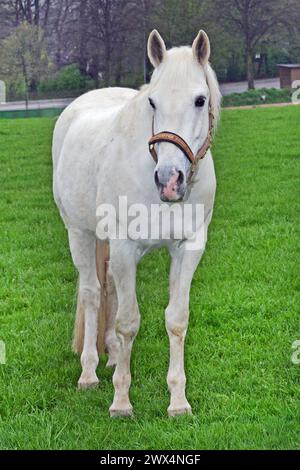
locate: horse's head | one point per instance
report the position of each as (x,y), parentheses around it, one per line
(181,89)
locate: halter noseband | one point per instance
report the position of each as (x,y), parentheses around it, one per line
(175,139)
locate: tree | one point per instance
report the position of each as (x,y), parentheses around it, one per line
(24,57)
(110,21)
(179,21)
(254,20)
(27,10)
(107,38)
(7,18)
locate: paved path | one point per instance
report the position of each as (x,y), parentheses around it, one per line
(240,87)
(42,104)
(226,89)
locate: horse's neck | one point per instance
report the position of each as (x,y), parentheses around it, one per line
(135,120)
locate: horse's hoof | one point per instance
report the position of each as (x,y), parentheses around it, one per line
(85,384)
(121,412)
(179,411)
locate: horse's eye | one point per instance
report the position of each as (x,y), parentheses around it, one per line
(200,101)
(152,104)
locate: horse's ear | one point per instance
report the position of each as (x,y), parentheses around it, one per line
(201,48)
(156,48)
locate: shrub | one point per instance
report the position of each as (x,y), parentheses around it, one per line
(69,78)
(255,97)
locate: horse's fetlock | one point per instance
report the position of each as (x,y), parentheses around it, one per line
(122,381)
(176,381)
(89,359)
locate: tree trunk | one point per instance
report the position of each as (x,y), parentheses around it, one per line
(46,14)
(107,45)
(94,69)
(82,37)
(119,73)
(26,81)
(37,12)
(250,70)
(145,55)
(27,101)
(148,6)
(107,67)
(28,14)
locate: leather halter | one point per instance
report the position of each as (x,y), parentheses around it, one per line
(175,139)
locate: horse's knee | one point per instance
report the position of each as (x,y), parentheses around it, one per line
(90,298)
(176,322)
(128,326)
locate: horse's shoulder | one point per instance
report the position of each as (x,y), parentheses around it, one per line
(88,111)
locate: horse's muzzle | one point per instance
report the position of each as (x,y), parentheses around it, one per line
(170,183)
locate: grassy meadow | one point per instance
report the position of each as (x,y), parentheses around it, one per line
(242,384)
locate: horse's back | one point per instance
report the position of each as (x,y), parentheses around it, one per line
(80,133)
(95,105)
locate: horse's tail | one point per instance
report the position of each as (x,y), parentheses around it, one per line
(102,260)
(78,337)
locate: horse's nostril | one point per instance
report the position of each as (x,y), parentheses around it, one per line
(180,177)
(156,179)
(166,176)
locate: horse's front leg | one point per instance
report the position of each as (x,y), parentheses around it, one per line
(183,267)
(123,265)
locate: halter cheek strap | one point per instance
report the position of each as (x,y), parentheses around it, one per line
(175,139)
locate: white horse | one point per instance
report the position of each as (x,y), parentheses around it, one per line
(100,152)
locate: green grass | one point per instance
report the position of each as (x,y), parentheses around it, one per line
(254,97)
(242,385)
(42,112)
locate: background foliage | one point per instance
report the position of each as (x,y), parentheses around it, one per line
(105,40)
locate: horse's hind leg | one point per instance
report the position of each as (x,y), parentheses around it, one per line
(123,266)
(83,246)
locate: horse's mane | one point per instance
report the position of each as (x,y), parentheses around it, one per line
(215,93)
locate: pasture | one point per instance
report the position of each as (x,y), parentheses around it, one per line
(241,382)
